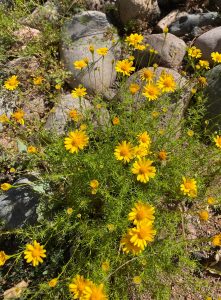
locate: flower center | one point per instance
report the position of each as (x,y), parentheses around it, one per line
(141,214)
(36,253)
(143,169)
(124,151)
(144,232)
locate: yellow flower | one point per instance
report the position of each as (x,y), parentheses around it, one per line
(3,258)
(142,234)
(11,83)
(141,211)
(38,80)
(190,132)
(216,57)
(78,286)
(144,138)
(6,186)
(165,30)
(166,83)
(58,86)
(217,140)
(131,57)
(144,170)
(147,74)
(137,280)
(164,109)
(155,66)
(140,47)
(69,211)
(155,114)
(78,92)
(12,170)
(105,266)
(77,140)
(111,227)
(94,184)
(98,106)
(216,241)
(124,151)
(116,121)
(125,67)
(141,151)
(18,116)
(80,64)
(128,246)
(83,127)
(32,149)
(53,282)
(204,64)
(202,81)
(162,155)
(94,292)
(34,253)
(194,52)
(134,88)
(189,187)
(204,215)
(75,115)
(151,91)
(134,39)
(91,49)
(193,91)
(211,200)
(4,118)
(102,51)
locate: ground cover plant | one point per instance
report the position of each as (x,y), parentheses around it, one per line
(115,193)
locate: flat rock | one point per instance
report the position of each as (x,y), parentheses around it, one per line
(171,50)
(209,42)
(18,205)
(85,29)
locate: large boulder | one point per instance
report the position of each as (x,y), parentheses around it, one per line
(213,93)
(131,10)
(18,205)
(209,42)
(170,48)
(85,29)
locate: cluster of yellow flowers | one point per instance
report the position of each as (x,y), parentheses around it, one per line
(12,82)
(137,238)
(135,40)
(85,289)
(142,167)
(18,116)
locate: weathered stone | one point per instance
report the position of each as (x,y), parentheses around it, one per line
(130,10)
(185,24)
(209,42)
(168,20)
(213,93)
(85,29)
(18,205)
(170,48)
(58,118)
(25,34)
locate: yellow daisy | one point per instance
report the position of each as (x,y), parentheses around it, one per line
(217,140)
(80,64)
(162,155)
(194,52)
(141,211)
(34,253)
(204,215)
(4,118)
(32,149)
(125,67)
(11,83)
(134,39)
(19,116)
(144,138)
(116,121)
(216,57)
(142,234)
(204,64)
(77,140)
(141,151)
(75,115)
(94,292)
(128,247)
(6,186)
(3,258)
(124,151)
(79,92)
(38,80)
(147,74)
(166,83)
(189,187)
(151,91)
(134,88)
(78,285)
(144,170)
(53,282)
(102,51)
(216,241)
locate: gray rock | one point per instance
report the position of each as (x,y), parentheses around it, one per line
(18,205)
(131,10)
(209,42)
(171,50)
(85,29)
(58,118)
(213,93)
(168,20)
(185,24)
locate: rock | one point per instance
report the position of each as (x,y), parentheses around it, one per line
(209,42)
(58,118)
(18,205)
(171,50)
(99,5)
(185,24)
(26,34)
(49,11)
(130,10)
(168,20)
(85,29)
(213,94)
(16,291)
